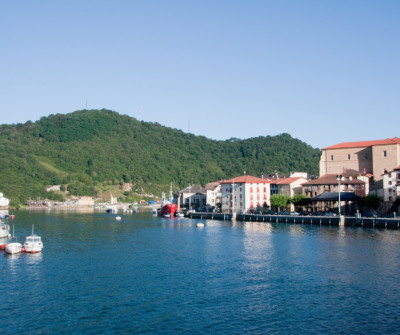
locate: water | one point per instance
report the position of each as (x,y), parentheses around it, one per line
(150,275)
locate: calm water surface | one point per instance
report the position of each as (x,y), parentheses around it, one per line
(152,275)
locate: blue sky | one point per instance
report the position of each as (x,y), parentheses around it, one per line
(323,71)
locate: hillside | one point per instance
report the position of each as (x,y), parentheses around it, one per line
(91,151)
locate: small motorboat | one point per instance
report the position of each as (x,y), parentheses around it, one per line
(33,243)
(13,247)
(179,214)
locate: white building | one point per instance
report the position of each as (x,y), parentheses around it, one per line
(193,196)
(391,186)
(4,202)
(245,193)
(213,194)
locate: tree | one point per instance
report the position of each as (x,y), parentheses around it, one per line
(280,201)
(372,201)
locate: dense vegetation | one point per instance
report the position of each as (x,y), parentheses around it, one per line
(92,152)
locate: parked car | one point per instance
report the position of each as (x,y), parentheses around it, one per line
(317,214)
(304,213)
(283,213)
(270,212)
(257,212)
(294,213)
(330,214)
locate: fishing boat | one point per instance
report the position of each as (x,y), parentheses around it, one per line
(33,243)
(168,208)
(13,247)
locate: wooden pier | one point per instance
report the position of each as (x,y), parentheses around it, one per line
(387,223)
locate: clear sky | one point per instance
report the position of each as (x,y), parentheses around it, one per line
(323,71)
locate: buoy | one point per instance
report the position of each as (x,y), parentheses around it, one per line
(199,225)
(118,218)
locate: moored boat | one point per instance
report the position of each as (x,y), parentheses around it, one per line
(168,209)
(13,247)
(33,243)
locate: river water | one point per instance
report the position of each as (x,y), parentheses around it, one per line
(152,275)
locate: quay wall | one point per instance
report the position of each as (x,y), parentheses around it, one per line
(313,220)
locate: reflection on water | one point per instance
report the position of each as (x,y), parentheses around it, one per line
(150,274)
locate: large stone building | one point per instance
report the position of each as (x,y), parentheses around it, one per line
(374,157)
(244,193)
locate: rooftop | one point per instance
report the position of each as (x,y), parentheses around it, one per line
(362,144)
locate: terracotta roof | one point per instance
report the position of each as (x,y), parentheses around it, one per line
(362,144)
(330,179)
(246,180)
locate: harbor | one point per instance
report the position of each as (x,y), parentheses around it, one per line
(150,274)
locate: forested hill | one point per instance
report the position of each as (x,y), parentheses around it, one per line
(91,151)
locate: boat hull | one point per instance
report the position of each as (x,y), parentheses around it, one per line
(13,248)
(170,209)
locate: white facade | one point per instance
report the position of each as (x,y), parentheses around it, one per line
(391,185)
(213,194)
(245,193)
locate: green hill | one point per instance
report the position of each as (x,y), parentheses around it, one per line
(94,151)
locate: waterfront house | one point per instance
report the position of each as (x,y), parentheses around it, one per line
(213,194)
(289,186)
(193,196)
(244,194)
(391,188)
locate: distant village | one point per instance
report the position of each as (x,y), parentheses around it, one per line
(347,171)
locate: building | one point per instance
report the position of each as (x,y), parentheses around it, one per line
(368,157)
(213,194)
(244,193)
(290,186)
(193,196)
(330,183)
(391,187)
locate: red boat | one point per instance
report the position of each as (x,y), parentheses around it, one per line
(168,209)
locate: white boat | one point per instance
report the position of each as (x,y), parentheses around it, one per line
(4,230)
(13,247)
(33,243)
(179,215)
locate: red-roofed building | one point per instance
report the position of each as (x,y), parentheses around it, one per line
(244,193)
(374,157)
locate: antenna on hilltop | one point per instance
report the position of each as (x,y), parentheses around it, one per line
(86,104)
(140,114)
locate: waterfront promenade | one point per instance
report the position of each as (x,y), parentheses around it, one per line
(312,220)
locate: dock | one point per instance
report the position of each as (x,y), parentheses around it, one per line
(386,223)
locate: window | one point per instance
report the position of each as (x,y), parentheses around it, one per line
(384,153)
(366,156)
(251,190)
(265,190)
(348,156)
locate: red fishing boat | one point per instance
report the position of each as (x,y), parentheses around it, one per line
(168,208)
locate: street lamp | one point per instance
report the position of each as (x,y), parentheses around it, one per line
(339,178)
